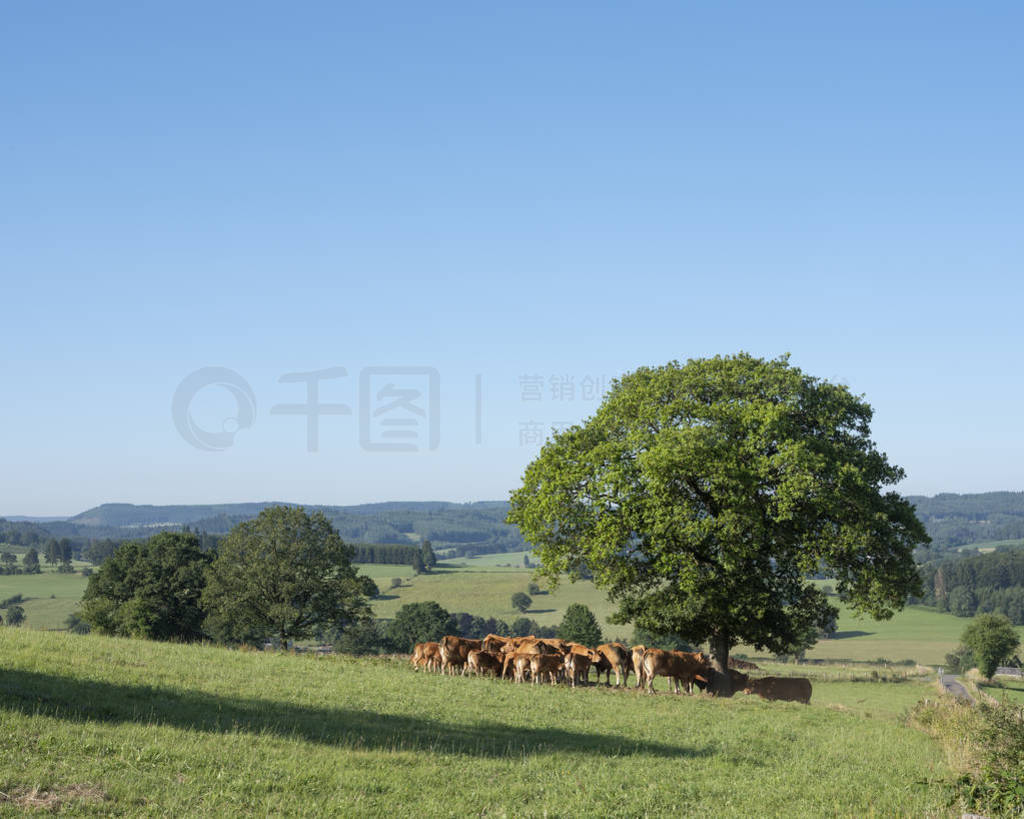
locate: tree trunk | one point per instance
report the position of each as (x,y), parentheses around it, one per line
(722,682)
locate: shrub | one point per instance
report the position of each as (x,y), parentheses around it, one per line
(15,615)
(76,625)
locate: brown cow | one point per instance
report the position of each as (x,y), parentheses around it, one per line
(495,642)
(521,665)
(550,664)
(578,662)
(616,657)
(479,661)
(791,689)
(432,656)
(455,651)
(426,655)
(637,656)
(523,645)
(681,666)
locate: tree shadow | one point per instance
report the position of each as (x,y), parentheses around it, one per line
(386,597)
(34,693)
(841,635)
(538,611)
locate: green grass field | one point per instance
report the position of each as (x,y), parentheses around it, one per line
(49,597)
(1007,690)
(113,726)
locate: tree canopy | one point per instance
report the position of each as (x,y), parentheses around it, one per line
(991,639)
(579,625)
(703,496)
(419,623)
(285,573)
(149,588)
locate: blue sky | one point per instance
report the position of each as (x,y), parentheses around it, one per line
(562,191)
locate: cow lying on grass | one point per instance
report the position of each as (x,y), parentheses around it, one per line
(791,689)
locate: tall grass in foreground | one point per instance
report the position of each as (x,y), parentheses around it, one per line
(114,726)
(985,744)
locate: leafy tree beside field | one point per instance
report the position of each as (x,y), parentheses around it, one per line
(521,601)
(703,496)
(149,588)
(286,574)
(30,562)
(991,640)
(419,623)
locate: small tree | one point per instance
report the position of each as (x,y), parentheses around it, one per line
(533,588)
(370,589)
(991,639)
(521,601)
(15,615)
(396,582)
(30,562)
(579,625)
(417,563)
(428,556)
(419,623)
(10,562)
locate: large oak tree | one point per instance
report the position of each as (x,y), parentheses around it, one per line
(703,497)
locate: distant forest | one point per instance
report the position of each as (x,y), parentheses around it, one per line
(454,529)
(979,584)
(462,529)
(958,520)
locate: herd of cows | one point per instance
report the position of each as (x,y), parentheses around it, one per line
(552,660)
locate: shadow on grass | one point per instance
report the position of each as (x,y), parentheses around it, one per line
(538,611)
(67,698)
(840,635)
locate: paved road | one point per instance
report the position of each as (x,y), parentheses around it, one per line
(955,687)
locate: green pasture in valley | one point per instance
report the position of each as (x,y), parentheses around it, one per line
(49,597)
(107,726)
(481,587)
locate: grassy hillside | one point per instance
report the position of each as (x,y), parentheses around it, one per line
(117,726)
